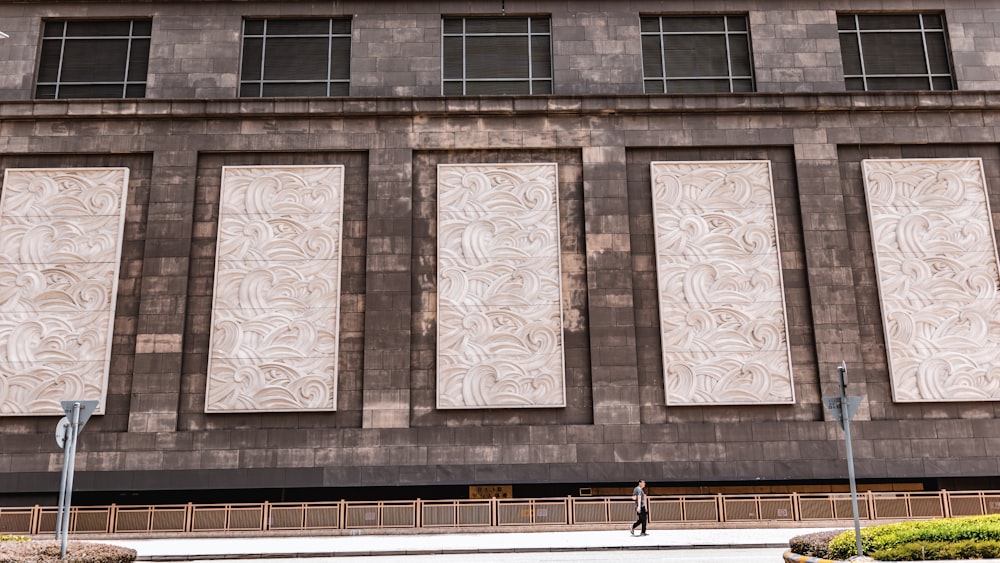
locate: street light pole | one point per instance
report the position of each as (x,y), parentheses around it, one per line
(842,371)
(66,488)
(843,408)
(67,432)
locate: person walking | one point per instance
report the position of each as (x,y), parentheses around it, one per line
(641,508)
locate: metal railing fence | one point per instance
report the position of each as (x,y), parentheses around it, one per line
(564,511)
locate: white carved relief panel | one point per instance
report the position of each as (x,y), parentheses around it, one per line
(936,265)
(500,339)
(722,308)
(60,249)
(275,316)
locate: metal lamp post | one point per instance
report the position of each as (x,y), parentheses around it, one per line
(67,432)
(843,409)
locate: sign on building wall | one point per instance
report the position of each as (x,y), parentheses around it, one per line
(491,491)
(500,339)
(275,314)
(936,265)
(60,249)
(722,307)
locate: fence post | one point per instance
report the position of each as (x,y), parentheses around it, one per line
(946,503)
(720,506)
(34,522)
(570,510)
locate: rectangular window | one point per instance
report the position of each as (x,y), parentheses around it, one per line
(496,56)
(895,52)
(307,57)
(692,54)
(93,59)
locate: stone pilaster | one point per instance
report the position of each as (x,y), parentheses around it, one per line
(156,381)
(388,312)
(614,370)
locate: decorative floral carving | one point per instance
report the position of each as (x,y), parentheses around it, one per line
(722,309)
(275,318)
(500,339)
(936,260)
(60,249)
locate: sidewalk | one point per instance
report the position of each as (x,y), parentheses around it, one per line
(190,549)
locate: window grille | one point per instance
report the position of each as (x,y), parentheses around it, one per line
(696,54)
(93,59)
(487,55)
(895,52)
(296,57)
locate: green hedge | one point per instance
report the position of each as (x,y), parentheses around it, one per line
(920,537)
(937,551)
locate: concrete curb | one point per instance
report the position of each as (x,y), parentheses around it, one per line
(796,558)
(412,552)
(791,557)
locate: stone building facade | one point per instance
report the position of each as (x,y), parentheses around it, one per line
(619,416)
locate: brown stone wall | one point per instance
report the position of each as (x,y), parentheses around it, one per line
(390,134)
(386,430)
(195,46)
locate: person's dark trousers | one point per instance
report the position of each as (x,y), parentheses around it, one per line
(643,517)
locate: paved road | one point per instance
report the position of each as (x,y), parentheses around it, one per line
(755,555)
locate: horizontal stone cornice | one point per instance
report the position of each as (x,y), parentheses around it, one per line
(500,105)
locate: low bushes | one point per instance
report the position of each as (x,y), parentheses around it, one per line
(18,549)
(816,544)
(973,537)
(937,551)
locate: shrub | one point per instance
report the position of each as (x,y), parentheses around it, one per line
(15,538)
(816,544)
(937,551)
(947,530)
(76,552)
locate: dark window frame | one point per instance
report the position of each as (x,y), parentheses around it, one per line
(46,89)
(538,81)
(935,81)
(663,79)
(256,86)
